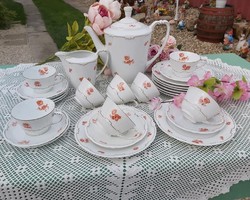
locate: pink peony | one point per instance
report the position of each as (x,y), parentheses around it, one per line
(101,14)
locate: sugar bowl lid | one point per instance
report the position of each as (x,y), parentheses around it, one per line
(128,27)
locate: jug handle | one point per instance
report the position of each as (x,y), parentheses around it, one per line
(152,26)
(106,63)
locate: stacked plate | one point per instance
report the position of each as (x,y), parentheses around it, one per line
(57,93)
(167,82)
(91,136)
(170,119)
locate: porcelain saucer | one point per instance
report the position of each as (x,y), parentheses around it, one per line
(96,134)
(175,116)
(25,92)
(15,135)
(169,73)
(157,74)
(224,135)
(85,143)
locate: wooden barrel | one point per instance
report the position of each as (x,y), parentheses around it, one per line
(213,23)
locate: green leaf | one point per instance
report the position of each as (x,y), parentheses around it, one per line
(237,94)
(69,38)
(244,79)
(69,29)
(75,27)
(78,36)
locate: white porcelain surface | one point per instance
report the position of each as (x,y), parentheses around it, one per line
(25,92)
(183,63)
(143,88)
(128,42)
(40,78)
(113,119)
(119,91)
(226,134)
(85,143)
(87,95)
(16,136)
(199,106)
(34,115)
(168,73)
(175,115)
(96,134)
(84,65)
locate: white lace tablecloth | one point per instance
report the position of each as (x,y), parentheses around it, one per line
(167,169)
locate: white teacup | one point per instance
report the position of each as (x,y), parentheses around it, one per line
(143,88)
(87,95)
(114,121)
(41,78)
(119,91)
(83,64)
(199,106)
(34,115)
(184,63)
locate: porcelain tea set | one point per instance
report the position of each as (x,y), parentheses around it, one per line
(110,128)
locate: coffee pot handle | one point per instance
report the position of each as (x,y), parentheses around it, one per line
(152,26)
(106,63)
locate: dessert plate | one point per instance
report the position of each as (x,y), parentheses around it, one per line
(226,134)
(85,143)
(96,133)
(175,116)
(169,73)
(25,92)
(15,135)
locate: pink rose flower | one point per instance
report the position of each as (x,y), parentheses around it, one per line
(101,14)
(153,50)
(155,103)
(178,99)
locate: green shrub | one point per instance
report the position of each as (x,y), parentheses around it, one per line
(6,17)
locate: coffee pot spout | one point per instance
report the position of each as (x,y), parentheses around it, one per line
(98,44)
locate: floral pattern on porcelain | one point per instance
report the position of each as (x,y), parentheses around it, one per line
(146,85)
(204,101)
(114,115)
(186,67)
(42,105)
(128,60)
(43,71)
(24,142)
(120,86)
(37,84)
(182,57)
(26,125)
(90,91)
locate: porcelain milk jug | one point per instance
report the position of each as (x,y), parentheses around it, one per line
(127,42)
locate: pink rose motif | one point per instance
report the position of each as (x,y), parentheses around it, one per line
(101,14)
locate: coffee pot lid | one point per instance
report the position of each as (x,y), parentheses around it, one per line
(128,27)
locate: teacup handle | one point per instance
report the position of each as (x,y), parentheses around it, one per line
(57,113)
(106,63)
(58,80)
(202,62)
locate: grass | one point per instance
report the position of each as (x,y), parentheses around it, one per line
(18,8)
(56,14)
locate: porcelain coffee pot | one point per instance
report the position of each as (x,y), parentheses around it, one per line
(127,42)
